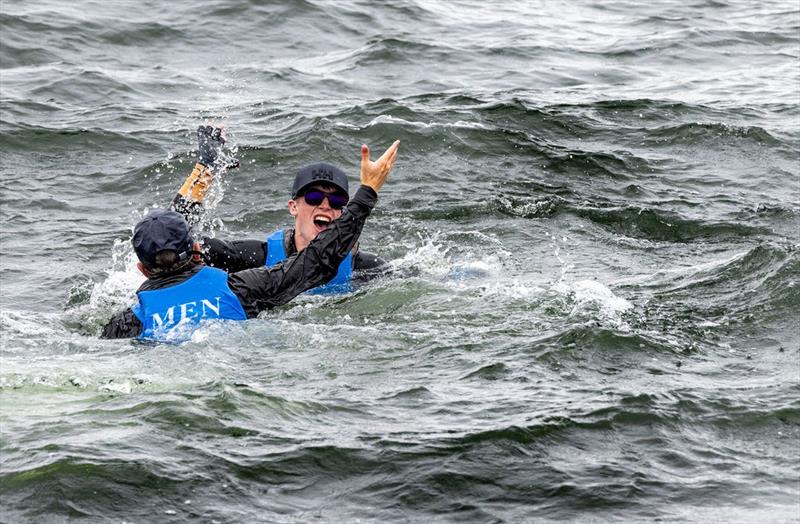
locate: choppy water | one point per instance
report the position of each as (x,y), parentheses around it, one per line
(594,218)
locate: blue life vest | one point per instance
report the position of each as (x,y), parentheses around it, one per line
(206,295)
(339,284)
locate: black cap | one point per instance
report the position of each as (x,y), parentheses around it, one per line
(321,173)
(158,231)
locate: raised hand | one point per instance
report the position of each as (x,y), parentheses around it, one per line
(374,174)
(209,144)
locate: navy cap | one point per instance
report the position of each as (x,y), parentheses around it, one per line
(158,231)
(321,173)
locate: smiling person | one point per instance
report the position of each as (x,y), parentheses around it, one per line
(181,290)
(319,193)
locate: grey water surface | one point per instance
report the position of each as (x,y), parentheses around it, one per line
(594,223)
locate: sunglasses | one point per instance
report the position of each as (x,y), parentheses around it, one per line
(335,200)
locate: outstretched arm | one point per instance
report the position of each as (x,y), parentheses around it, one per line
(192,194)
(232,255)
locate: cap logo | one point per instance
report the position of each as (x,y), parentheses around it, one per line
(322,174)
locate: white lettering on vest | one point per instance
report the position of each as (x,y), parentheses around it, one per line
(170,317)
(209,305)
(187,312)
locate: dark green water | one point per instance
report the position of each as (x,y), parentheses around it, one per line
(594,219)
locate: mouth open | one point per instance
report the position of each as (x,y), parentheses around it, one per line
(322,222)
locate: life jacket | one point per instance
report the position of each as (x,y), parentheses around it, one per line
(206,295)
(276,252)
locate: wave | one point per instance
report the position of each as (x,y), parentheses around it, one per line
(83,487)
(659,225)
(765,267)
(695,131)
(548,133)
(485,131)
(134,34)
(603,348)
(725,305)
(27,24)
(14,54)
(20,138)
(628,221)
(693,41)
(87,85)
(398,50)
(478,474)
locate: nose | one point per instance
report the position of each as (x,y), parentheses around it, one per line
(325,203)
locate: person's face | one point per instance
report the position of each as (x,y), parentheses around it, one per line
(310,220)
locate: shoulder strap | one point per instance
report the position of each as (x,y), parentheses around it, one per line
(275,251)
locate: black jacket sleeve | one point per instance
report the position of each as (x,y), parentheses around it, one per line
(191,210)
(234,255)
(238,255)
(123,325)
(262,288)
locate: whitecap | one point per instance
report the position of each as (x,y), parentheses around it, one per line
(592,298)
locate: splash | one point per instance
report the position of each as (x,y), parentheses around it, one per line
(25,327)
(118,289)
(593,299)
(436,259)
(431,258)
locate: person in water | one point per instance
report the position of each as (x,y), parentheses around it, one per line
(181,290)
(318,196)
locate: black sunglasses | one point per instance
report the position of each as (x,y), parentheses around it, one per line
(335,200)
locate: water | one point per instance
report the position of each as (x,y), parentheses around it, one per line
(594,219)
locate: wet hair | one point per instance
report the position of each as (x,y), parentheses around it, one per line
(168,260)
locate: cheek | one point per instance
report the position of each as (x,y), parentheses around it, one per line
(303,216)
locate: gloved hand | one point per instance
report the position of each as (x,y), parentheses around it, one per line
(209,144)
(209,149)
(211,161)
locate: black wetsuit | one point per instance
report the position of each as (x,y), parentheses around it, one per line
(258,287)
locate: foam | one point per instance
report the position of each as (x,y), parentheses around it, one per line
(460,124)
(592,296)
